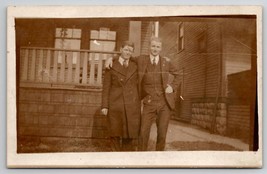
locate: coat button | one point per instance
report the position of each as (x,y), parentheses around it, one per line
(121,79)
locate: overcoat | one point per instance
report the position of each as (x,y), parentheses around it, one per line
(167,69)
(121,96)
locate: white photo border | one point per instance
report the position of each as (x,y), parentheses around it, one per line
(181,159)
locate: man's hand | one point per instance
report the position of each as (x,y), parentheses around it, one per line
(104,111)
(108,63)
(169,89)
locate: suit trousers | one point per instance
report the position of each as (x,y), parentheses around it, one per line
(155,111)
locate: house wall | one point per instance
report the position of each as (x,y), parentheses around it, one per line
(168,33)
(41,32)
(35,33)
(239,104)
(60,113)
(199,70)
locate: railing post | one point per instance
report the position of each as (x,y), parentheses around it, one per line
(85,60)
(24,61)
(77,69)
(92,69)
(40,66)
(46,77)
(55,66)
(62,67)
(32,67)
(69,71)
(100,68)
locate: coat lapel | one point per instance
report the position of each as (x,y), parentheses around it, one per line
(130,70)
(118,68)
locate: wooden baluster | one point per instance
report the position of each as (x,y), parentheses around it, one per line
(54,77)
(32,67)
(69,60)
(100,68)
(47,67)
(85,61)
(40,67)
(62,67)
(92,69)
(24,61)
(77,69)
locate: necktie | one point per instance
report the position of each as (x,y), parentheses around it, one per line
(154,61)
(125,64)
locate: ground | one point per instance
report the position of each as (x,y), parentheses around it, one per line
(180,137)
(30,145)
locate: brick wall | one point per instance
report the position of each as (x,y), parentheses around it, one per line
(60,113)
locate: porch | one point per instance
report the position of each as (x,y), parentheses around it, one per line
(60,93)
(66,68)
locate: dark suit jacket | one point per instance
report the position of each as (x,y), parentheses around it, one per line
(121,96)
(167,68)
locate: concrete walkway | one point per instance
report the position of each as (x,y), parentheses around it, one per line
(183,132)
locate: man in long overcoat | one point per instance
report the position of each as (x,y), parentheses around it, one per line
(121,101)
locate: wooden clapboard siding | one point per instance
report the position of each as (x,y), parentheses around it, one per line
(168,33)
(240,101)
(60,113)
(201,69)
(239,121)
(214,61)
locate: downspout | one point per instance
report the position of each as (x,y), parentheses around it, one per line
(219,82)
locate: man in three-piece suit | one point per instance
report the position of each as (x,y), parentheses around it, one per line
(121,101)
(156,91)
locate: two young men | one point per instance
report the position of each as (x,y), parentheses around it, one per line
(156,91)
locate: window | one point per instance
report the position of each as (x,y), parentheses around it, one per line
(102,40)
(69,39)
(180,37)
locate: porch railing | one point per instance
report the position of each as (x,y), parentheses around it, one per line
(62,66)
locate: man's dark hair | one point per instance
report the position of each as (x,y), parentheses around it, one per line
(127,43)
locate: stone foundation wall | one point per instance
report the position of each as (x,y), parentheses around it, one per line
(210,116)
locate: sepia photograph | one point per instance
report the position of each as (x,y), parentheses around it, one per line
(125,86)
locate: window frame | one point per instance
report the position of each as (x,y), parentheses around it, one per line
(180,37)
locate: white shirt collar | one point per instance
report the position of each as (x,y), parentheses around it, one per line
(152,57)
(121,60)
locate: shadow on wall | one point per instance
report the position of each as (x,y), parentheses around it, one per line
(100,136)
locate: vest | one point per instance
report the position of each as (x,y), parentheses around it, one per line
(152,82)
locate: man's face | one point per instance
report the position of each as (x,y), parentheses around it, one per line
(155,48)
(126,52)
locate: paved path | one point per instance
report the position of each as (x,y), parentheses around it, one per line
(183,132)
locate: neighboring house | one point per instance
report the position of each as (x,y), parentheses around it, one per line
(217,59)
(62,98)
